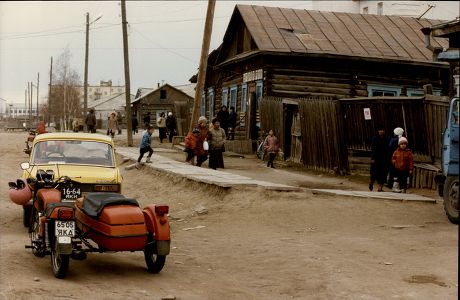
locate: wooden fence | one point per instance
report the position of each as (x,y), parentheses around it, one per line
(322,143)
(422,119)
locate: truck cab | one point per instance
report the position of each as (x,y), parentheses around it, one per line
(448,180)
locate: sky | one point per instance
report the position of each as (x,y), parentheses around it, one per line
(165,39)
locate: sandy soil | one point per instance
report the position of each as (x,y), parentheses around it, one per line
(252,244)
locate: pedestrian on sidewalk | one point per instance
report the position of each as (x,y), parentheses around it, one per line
(113,124)
(222,116)
(191,141)
(403,162)
(90,121)
(216,138)
(161,123)
(393,145)
(272,147)
(134,123)
(201,153)
(146,120)
(379,159)
(146,146)
(171,125)
(231,123)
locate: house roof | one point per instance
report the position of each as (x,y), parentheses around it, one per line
(275,29)
(183,91)
(110,102)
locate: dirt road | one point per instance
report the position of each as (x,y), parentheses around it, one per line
(252,244)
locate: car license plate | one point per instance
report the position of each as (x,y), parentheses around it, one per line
(71,193)
(65,228)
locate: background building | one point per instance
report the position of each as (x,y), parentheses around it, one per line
(103,90)
(437,10)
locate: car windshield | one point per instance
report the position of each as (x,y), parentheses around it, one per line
(73,152)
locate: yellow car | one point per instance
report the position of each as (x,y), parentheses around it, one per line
(86,158)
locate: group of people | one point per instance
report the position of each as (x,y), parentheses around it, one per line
(227,120)
(392,158)
(203,141)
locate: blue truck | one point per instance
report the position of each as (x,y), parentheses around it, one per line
(447,181)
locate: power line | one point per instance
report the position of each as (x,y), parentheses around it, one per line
(163,48)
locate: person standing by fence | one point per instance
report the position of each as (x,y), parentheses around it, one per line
(272,147)
(379,160)
(403,162)
(393,145)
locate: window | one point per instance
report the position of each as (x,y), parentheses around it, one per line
(211,103)
(244,96)
(233,95)
(365,10)
(203,104)
(162,94)
(382,90)
(380,8)
(259,91)
(415,93)
(224,96)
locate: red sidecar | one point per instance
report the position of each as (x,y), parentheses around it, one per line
(116,223)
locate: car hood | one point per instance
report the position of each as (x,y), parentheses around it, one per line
(80,173)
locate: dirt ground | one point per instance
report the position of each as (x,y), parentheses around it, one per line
(251,244)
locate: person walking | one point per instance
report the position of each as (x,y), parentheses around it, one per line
(112,124)
(90,121)
(216,138)
(272,147)
(379,160)
(393,145)
(146,120)
(231,123)
(403,162)
(119,122)
(222,116)
(134,124)
(146,146)
(171,125)
(191,141)
(161,123)
(201,152)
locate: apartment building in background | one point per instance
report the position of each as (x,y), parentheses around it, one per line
(435,10)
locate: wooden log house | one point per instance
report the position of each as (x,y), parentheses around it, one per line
(286,69)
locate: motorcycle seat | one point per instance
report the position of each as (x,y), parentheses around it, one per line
(51,206)
(94,203)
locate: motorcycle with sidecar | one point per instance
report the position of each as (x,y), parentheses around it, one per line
(64,225)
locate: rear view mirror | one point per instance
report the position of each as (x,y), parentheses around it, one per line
(25,165)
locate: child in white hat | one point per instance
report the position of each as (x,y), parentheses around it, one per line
(403,163)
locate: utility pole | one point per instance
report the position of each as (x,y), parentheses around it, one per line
(26,92)
(38,83)
(203,61)
(85,85)
(127,80)
(49,91)
(30,105)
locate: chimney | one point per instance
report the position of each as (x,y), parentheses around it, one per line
(158,84)
(436,50)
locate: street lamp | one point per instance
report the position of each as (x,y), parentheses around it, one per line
(85,87)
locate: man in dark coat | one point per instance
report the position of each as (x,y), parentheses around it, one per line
(171,125)
(231,123)
(146,121)
(379,159)
(222,115)
(90,121)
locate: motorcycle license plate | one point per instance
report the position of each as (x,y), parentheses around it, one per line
(71,193)
(65,228)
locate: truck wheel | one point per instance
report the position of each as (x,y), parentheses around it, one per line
(451,198)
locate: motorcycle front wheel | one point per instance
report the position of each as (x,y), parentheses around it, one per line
(60,262)
(155,262)
(37,242)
